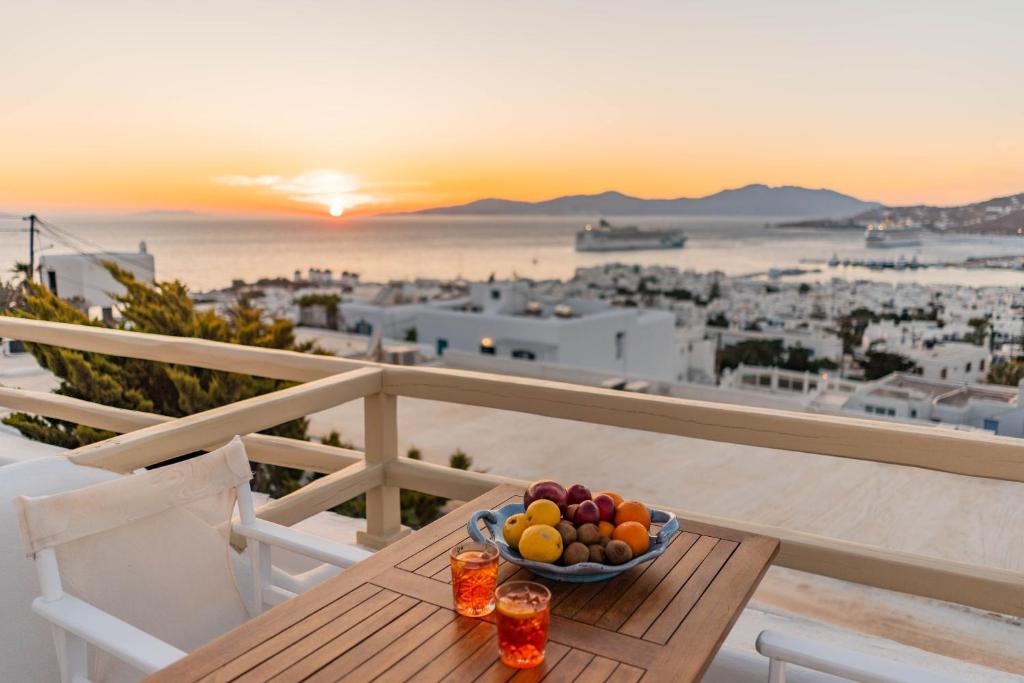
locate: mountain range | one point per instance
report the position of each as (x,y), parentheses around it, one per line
(751,200)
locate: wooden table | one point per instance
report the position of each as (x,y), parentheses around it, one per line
(390,617)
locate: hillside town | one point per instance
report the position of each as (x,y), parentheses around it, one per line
(942,355)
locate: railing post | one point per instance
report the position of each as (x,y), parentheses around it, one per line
(383,505)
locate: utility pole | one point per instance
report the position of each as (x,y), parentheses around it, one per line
(31,243)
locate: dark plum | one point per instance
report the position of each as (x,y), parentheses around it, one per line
(606,506)
(577,493)
(546,489)
(587,513)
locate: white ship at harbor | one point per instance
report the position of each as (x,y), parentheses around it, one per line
(887,234)
(606,237)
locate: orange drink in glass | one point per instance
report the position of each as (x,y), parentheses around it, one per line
(474,576)
(524,610)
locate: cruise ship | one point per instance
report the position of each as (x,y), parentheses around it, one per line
(886,235)
(606,237)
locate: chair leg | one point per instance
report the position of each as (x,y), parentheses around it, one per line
(776,671)
(259,557)
(73,654)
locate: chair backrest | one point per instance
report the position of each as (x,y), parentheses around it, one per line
(150,548)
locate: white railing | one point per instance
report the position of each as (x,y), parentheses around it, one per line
(381,474)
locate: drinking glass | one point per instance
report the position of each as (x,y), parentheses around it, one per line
(524,610)
(474,576)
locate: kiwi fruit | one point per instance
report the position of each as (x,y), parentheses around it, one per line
(618,552)
(597,553)
(567,531)
(575,553)
(587,534)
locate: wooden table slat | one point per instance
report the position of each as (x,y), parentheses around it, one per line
(390,617)
(440,666)
(598,671)
(403,645)
(342,666)
(292,634)
(612,608)
(654,602)
(297,654)
(570,667)
(678,609)
(625,673)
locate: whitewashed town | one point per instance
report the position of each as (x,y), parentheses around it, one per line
(941,355)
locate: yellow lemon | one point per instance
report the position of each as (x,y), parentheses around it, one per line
(513,529)
(543,511)
(541,543)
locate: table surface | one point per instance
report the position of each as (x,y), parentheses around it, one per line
(390,617)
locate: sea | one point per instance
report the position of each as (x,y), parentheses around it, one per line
(207,253)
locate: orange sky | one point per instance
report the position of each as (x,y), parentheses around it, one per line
(250,107)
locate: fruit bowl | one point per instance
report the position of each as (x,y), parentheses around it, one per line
(581,572)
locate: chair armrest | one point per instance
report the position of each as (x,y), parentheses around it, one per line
(302,543)
(830,659)
(105,631)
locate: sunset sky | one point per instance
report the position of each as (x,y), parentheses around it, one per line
(294,107)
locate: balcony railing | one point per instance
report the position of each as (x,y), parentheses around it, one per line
(147,439)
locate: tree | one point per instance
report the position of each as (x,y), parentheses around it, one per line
(761,352)
(418,509)
(878,364)
(980,331)
(718,320)
(133,384)
(1009,373)
(852,326)
(178,390)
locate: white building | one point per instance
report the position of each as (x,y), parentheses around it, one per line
(993,408)
(506,319)
(955,362)
(83,276)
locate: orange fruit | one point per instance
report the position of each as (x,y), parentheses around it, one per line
(605,529)
(632,511)
(616,498)
(634,535)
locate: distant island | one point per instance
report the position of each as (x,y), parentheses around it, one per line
(996,216)
(751,200)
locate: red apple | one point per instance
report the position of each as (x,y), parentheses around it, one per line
(587,513)
(577,493)
(545,488)
(570,512)
(606,506)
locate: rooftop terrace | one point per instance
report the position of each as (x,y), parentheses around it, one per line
(754,469)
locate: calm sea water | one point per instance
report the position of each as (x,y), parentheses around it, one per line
(210,253)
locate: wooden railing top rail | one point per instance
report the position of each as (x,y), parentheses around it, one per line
(263,448)
(916,446)
(215,427)
(201,353)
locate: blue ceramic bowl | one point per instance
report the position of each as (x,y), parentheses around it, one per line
(583,572)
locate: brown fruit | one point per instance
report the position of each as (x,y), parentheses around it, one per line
(597,554)
(575,553)
(568,532)
(618,552)
(588,534)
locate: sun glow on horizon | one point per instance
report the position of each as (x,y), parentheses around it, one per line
(334,190)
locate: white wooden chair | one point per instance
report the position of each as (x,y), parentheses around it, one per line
(784,648)
(139,567)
